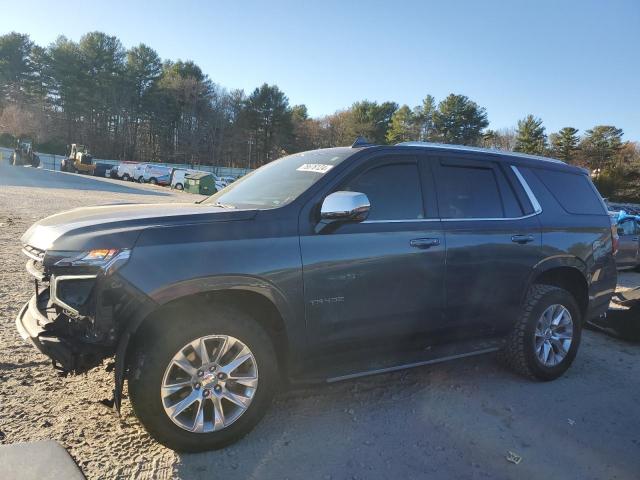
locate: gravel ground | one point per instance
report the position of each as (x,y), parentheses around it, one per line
(453,420)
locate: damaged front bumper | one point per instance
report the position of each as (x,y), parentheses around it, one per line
(51,337)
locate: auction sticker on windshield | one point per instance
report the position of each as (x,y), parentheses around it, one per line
(314,167)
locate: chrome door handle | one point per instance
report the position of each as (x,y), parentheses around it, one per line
(522,239)
(424,243)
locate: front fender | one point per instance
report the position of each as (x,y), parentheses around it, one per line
(226,282)
(195,286)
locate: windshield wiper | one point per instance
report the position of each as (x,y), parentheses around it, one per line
(223,205)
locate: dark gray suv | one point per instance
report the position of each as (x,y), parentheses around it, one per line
(321,266)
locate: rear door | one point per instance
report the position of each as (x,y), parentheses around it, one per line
(493,241)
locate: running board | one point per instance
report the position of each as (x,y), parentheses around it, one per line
(395,368)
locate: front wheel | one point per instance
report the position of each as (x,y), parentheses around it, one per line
(203,385)
(545,339)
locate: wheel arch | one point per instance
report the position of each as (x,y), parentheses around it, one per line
(566,272)
(257,297)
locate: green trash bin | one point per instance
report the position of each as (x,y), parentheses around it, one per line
(202,183)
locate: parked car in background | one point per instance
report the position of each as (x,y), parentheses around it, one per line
(125,170)
(157,175)
(628,228)
(101,169)
(329,265)
(177,177)
(138,172)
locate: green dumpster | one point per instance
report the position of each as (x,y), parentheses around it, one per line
(202,182)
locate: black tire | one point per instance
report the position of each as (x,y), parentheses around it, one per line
(179,186)
(154,354)
(141,180)
(125,177)
(519,352)
(153,181)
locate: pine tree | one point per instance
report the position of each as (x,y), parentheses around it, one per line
(423,118)
(600,146)
(530,136)
(401,128)
(564,144)
(459,120)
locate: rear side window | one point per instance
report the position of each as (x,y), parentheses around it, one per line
(573,191)
(468,192)
(393,191)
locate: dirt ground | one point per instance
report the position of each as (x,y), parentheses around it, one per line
(452,420)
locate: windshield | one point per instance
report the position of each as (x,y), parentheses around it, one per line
(281,181)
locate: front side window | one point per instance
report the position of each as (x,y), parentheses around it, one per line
(393,190)
(468,192)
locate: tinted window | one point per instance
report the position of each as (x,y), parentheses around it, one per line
(393,191)
(573,191)
(468,192)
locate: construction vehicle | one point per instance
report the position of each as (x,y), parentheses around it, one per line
(23,154)
(79,160)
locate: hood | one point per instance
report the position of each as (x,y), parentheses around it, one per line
(117,226)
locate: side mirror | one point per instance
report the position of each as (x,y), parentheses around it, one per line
(344,206)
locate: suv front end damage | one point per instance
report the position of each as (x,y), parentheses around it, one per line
(75,316)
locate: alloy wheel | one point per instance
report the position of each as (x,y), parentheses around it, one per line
(553,335)
(209,383)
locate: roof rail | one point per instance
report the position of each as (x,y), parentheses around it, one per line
(361,142)
(465,148)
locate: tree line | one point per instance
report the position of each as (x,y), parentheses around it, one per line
(129,104)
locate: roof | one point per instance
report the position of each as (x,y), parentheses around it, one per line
(464,148)
(198,175)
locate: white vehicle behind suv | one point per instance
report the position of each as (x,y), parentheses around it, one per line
(138,172)
(177,178)
(124,171)
(157,174)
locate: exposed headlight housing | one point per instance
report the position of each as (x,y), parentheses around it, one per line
(105,258)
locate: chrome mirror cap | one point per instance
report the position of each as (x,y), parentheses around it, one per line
(345,206)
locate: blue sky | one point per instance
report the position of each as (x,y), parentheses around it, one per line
(571,63)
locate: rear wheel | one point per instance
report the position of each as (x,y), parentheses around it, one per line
(153,181)
(203,385)
(178,186)
(545,339)
(126,177)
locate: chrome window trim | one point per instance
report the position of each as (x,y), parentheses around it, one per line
(54,288)
(499,219)
(403,220)
(532,198)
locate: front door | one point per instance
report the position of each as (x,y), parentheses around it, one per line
(379,281)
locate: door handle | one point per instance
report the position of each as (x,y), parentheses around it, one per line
(424,243)
(634,239)
(522,239)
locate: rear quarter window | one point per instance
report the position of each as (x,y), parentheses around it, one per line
(573,191)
